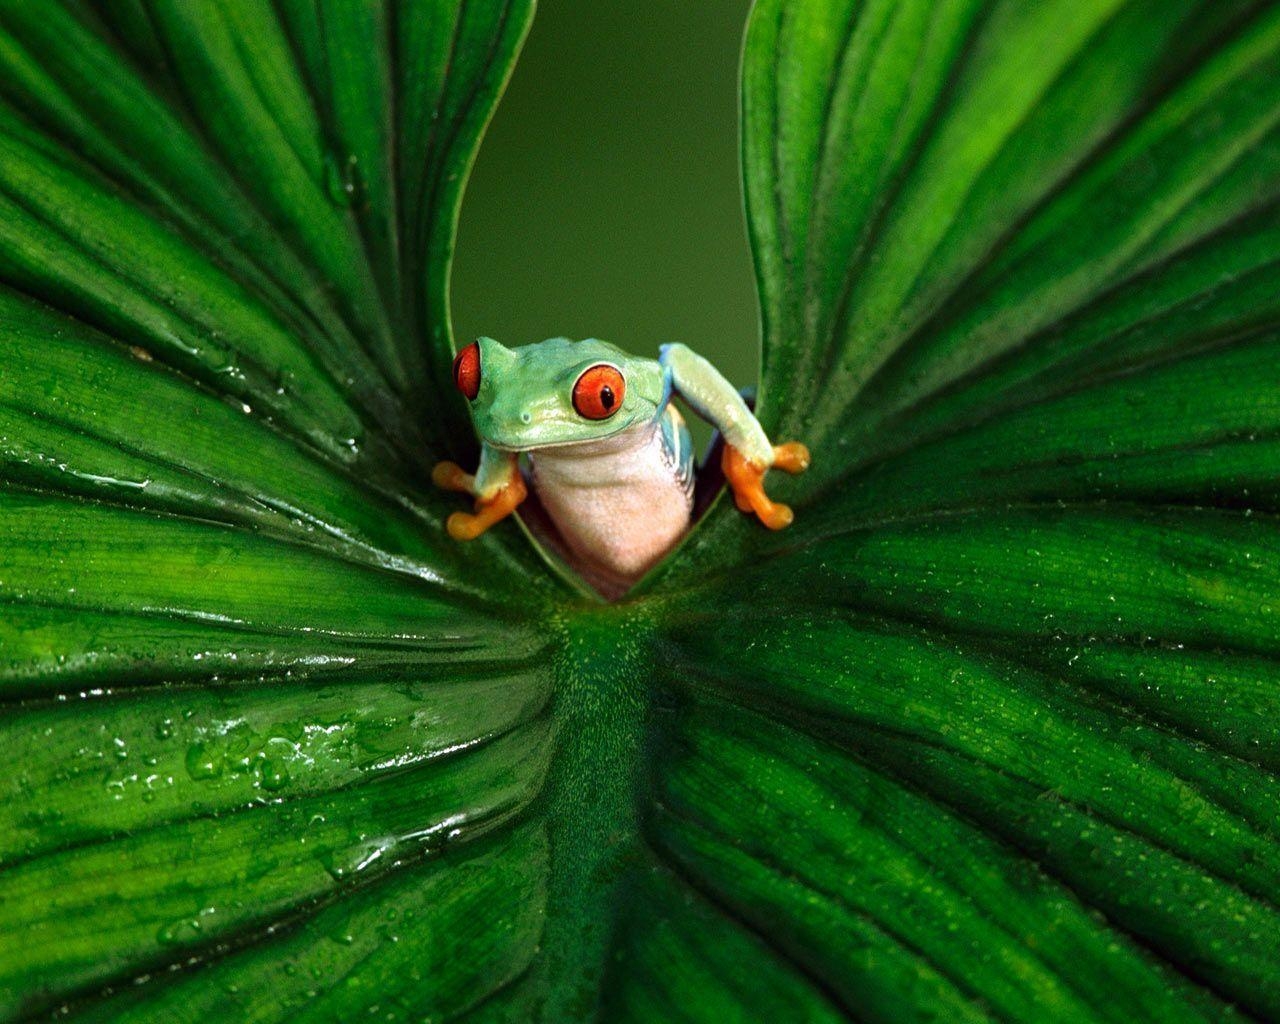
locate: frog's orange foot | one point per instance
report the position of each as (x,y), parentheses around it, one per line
(469,526)
(746,480)
(791,457)
(451,477)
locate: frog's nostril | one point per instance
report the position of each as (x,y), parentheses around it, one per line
(526,417)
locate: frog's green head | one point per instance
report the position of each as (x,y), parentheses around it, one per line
(556,392)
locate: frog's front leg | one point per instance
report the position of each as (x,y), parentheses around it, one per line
(748,453)
(497,487)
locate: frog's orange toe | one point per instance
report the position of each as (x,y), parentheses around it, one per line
(746,479)
(469,526)
(776,516)
(451,477)
(463,526)
(792,457)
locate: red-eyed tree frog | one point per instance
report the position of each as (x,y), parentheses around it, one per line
(609,455)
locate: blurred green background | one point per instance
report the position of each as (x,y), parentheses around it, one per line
(605,201)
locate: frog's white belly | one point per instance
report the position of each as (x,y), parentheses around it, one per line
(620,504)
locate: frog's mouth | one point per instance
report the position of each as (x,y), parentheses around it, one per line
(542,435)
(520,449)
(571,442)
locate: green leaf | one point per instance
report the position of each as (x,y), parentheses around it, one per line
(1017,266)
(255,703)
(989,733)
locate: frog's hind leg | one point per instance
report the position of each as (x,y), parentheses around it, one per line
(677,447)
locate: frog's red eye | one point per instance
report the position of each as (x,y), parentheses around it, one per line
(598,393)
(466,371)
